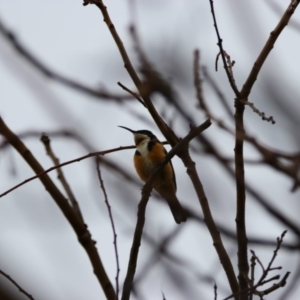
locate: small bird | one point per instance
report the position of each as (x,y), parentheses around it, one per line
(149,152)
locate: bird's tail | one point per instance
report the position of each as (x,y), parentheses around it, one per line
(176,208)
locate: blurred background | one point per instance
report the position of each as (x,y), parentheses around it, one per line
(38,248)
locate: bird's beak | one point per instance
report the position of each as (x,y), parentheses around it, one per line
(132,131)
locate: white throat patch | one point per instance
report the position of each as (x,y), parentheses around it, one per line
(142,147)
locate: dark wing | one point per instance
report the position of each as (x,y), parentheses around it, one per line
(174,177)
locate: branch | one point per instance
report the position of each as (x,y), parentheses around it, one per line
(183,144)
(16,284)
(239,166)
(252,289)
(64,164)
(83,235)
(245,92)
(112,224)
(227,67)
(241,197)
(46,141)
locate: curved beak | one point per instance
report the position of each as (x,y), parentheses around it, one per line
(132,131)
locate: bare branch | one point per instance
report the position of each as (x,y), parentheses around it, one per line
(46,141)
(17,285)
(245,92)
(227,67)
(135,95)
(112,225)
(64,164)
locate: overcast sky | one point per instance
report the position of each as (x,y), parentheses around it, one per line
(38,248)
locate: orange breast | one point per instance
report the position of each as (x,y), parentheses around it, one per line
(144,166)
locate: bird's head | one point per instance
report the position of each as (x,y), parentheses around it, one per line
(141,135)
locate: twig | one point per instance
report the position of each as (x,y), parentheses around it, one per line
(215,291)
(17,285)
(112,225)
(198,84)
(222,52)
(64,164)
(135,95)
(274,287)
(46,141)
(258,260)
(257,111)
(83,235)
(252,273)
(279,242)
(252,289)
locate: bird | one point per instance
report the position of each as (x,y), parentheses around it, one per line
(149,152)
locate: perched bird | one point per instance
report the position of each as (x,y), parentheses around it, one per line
(149,152)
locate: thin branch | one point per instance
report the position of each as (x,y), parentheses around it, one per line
(258,260)
(112,225)
(46,141)
(279,243)
(245,92)
(17,285)
(215,291)
(252,273)
(275,287)
(135,95)
(252,289)
(64,164)
(198,84)
(222,52)
(257,111)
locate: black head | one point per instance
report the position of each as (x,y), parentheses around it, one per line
(141,135)
(146,132)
